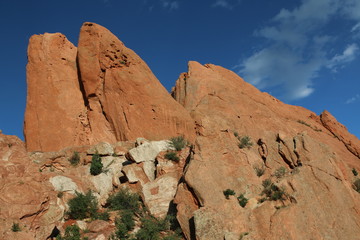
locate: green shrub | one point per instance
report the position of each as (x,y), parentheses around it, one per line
(124,224)
(357,185)
(82,206)
(354,172)
(173,236)
(151,228)
(272,191)
(280,172)
(71,233)
(236,134)
(75,159)
(15,227)
(260,170)
(96,165)
(102,216)
(60,194)
(304,123)
(124,200)
(242,200)
(127,217)
(228,192)
(245,142)
(178,143)
(172,156)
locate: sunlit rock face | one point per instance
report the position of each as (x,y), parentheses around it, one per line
(286,172)
(99,91)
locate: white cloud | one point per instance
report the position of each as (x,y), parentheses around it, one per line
(171,5)
(353,99)
(298,48)
(229,4)
(347,56)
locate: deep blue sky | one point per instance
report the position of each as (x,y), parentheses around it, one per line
(303,52)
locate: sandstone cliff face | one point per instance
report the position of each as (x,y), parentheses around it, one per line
(55,114)
(100,91)
(297,175)
(317,165)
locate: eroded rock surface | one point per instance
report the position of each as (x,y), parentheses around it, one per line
(298,153)
(98,92)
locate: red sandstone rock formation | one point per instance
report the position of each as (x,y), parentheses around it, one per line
(55,114)
(318,166)
(101,91)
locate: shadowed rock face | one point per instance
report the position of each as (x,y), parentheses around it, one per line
(100,91)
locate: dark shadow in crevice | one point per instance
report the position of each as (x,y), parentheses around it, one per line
(81,85)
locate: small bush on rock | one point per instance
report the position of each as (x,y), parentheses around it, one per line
(178,143)
(242,200)
(172,156)
(124,224)
(75,159)
(357,185)
(228,192)
(15,227)
(151,228)
(71,233)
(280,172)
(82,206)
(272,191)
(124,200)
(245,142)
(260,170)
(354,172)
(96,165)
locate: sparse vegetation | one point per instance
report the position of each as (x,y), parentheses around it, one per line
(96,165)
(304,123)
(272,192)
(102,216)
(356,185)
(280,172)
(124,200)
(124,224)
(15,227)
(60,194)
(151,228)
(178,143)
(245,142)
(354,172)
(236,134)
(75,159)
(83,206)
(228,192)
(242,235)
(242,200)
(71,233)
(172,156)
(260,170)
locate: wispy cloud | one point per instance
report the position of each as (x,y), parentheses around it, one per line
(298,49)
(348,55)
(229,4)
(353,99)
(171,5)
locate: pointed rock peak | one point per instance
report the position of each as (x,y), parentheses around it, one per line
(100,91)
(54,116)
(351,142)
